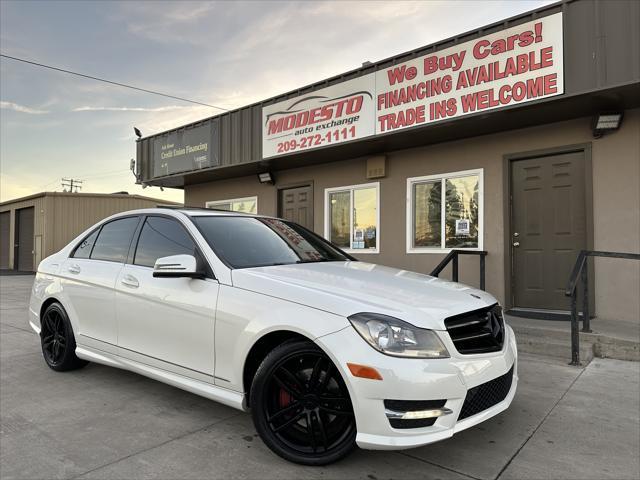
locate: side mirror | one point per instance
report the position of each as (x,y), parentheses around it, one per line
(177,266)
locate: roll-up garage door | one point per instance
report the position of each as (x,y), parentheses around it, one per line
(5,240)
(24,229)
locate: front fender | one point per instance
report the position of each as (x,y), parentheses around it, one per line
(243,317)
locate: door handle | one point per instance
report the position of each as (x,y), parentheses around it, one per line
(516,244)
(74,268)
(130,281)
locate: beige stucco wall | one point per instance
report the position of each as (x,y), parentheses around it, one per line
(616,200)
(616,214)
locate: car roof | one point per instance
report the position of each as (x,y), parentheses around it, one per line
(189,211)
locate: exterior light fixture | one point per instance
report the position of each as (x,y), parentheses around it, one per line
(606,123)
(265,177)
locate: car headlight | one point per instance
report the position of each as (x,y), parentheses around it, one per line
(397,338)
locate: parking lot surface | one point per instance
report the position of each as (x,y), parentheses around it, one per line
(100,422)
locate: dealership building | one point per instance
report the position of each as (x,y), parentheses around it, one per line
(521,139)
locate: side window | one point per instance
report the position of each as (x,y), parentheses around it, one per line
(84,249)
(114,240)
(162,237)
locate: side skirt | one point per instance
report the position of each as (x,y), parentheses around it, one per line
(212,392)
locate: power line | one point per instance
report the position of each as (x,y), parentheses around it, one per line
(110,81)
(85,176)
(101,174)
(47,184)
(112,174)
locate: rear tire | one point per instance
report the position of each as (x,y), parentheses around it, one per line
(57,340)
(301,407)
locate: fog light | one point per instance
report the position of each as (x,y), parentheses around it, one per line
(417,415)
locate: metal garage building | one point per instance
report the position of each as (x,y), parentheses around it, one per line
(34,227)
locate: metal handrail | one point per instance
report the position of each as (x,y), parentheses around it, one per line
(453,255)
(581,271)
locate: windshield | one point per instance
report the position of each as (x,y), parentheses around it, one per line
(245,242)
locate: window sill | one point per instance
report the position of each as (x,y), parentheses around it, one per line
(440,251)
(358,251)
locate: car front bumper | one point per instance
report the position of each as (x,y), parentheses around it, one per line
(417,379)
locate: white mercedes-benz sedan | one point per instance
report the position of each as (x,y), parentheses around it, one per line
(263,315)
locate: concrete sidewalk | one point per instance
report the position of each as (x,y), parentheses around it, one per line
(100,422)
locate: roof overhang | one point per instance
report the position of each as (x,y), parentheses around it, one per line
(550,110)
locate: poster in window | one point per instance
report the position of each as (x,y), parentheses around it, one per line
(358,238)
(463,227)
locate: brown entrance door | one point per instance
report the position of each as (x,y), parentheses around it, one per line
(548,227)
(23,253)
(296,204)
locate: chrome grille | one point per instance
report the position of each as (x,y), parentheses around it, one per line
(478,331)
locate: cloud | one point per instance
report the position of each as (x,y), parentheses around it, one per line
(16,107)
(164,22)
(12,186)
(128,109)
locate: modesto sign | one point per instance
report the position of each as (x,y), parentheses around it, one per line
(512,66)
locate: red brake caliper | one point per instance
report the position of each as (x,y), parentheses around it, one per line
(285,398)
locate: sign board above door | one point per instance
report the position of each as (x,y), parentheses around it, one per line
(332,115)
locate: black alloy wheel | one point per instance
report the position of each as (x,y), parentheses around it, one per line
(301,407)
(57,340)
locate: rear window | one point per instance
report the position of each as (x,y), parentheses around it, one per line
(84,249)
(114,240)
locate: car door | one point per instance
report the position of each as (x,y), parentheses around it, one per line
(89,277)
(166,319)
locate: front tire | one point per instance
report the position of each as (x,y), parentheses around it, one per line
(57,340)
(301,407)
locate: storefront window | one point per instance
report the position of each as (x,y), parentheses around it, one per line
(427,221)
(243,205)
(340,219)
(352,221)
(461,212)
(445,212)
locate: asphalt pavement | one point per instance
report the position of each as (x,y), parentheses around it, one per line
(99,422)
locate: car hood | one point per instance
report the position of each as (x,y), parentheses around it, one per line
(345,288)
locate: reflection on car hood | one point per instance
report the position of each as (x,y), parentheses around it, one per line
(345,288)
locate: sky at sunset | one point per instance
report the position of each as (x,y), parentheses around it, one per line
(229,54)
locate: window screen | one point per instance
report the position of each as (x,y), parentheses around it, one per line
(114,240)
(162,237)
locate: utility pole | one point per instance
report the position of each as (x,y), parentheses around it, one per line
(71,183)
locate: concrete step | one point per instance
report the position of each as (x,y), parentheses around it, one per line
(539,344)
(553,338)
(612,347)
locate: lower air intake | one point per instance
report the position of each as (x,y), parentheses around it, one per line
(486,395)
